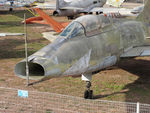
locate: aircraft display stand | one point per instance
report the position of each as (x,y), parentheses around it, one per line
(88,94)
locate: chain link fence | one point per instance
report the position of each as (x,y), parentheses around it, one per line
(43,102)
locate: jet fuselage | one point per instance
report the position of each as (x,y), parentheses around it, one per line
(84,47)
(74,7)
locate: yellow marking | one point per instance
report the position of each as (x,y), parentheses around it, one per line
(31,12)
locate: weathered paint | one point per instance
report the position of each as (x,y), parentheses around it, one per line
(79,50)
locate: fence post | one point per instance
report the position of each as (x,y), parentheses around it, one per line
(138,107)
(26,51)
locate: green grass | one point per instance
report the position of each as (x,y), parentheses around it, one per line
(13,46)
(11,21)
(113,86)
(2,80)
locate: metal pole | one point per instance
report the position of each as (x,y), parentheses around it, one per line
(138,107)
(26,50)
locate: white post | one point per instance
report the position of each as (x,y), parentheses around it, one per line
(26,50)
(138,107)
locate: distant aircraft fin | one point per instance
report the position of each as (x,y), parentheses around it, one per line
(57,4)
(60,4)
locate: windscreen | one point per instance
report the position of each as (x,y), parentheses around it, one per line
(75,29)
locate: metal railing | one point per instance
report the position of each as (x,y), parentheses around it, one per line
(43,102)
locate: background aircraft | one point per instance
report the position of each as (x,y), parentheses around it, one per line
(137,10)
(124,12)
(73,7)
(11,4)
(88,45)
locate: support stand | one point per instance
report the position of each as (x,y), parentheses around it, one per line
(88,94)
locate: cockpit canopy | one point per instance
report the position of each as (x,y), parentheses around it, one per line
(74,29)
(85,25)
(93,22)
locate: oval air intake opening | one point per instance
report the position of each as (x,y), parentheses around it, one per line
(35,70)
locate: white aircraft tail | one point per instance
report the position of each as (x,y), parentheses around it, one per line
(61,3)
(57,4)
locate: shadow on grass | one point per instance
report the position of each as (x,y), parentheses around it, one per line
(103,96)
(8,48)
(139,90)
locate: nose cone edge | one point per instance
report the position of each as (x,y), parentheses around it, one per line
(36,71)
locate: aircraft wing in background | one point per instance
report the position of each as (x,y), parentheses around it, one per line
(137,9)
(122,11)
(53,7)
(46,6)
(72,8)
(136,51)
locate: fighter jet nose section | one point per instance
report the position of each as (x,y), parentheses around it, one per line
(36,71)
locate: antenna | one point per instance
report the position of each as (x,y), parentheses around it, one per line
(26,50)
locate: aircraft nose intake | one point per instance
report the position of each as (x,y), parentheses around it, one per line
(36,71)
